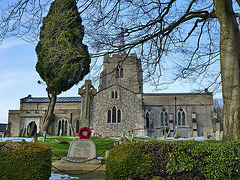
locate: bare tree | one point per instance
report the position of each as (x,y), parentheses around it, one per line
(191,34)
(188,36)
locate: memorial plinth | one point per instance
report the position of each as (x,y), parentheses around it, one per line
(82,151)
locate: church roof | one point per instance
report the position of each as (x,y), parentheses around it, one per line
(152,94)
(30,99)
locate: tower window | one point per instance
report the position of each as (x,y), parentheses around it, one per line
(114,95)
(119,72)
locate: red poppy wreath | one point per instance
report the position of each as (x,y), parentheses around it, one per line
(80,133)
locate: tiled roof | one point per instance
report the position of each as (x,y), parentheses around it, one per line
(30,99)
(3,127)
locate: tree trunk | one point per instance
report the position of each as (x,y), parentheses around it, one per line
(230,68)
(49,117)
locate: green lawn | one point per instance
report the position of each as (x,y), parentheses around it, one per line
(60,145)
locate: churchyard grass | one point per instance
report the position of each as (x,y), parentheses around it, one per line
(60,145)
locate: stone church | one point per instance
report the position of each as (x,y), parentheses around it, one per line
(119,105)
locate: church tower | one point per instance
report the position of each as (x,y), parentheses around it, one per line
(123,70)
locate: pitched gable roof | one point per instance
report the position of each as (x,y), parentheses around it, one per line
(30,99)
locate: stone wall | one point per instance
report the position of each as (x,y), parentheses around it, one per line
(131,109)
(199,104)
(70,111)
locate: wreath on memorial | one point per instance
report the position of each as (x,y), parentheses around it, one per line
(81,136)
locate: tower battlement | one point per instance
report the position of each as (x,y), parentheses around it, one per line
(123,70)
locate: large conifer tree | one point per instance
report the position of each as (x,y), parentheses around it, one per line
(62,58)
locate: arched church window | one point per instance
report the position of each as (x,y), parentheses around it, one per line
(150,119)
(59,127)
(114,115)
(116,95)
(77,126)
(164,117)
(65,128)
(112,94)
(119,116)
(181,117)
(109,116)
(147,120)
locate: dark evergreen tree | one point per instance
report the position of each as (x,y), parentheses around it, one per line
(63,60)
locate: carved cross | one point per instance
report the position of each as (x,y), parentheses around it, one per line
(86,91)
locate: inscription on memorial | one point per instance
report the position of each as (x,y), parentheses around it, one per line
(82,148)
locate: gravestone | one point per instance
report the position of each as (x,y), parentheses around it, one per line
(218,135)
(205,135)
(82,151)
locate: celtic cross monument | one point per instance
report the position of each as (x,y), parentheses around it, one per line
(87,91)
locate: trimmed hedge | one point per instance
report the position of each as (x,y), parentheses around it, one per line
(25,161)
(175,160)
(128,160)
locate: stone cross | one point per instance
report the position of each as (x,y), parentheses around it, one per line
(86,91)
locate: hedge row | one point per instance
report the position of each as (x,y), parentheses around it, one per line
(25,161)
(174,160)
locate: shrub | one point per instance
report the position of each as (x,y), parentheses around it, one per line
(212,160)
(128,161)
(175,160)
(25,161)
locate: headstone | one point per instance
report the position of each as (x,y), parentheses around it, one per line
(131,136)
(205,135)
(190,134)
(221,134)
(218,135)
(44,136)
(82,151)
(218,126)
(60,132)
(121,140)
